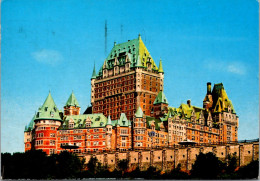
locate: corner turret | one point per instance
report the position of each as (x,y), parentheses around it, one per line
(72,106)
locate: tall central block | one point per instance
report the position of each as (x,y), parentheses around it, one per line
(128,79)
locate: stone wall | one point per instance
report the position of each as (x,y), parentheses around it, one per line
(169,158)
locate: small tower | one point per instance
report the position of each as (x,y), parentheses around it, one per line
(93,78)
(28,135)
(47,121)
(139,129)
(72,106)
(208,101)
(170,129)
(108,132)
(160,105)
(161,74)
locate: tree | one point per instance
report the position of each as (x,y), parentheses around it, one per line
(123,164)
(249,171)
(231,164)
(94,165)
(176,173)
(32,164)
(67,165)
(206,166)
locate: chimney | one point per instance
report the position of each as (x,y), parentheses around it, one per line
(188,102)
(208,88)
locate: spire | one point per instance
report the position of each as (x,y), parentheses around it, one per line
(94,73)
(139,113)
(109,122)
(160,66)
(170,114)
(72,101)
(122,121)
(161,98)
(105,64)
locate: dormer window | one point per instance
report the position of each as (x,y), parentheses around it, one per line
(88,124)
(52,114)
(71,125)
(46,108)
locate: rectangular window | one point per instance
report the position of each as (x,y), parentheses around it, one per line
(52,142)
(123,131)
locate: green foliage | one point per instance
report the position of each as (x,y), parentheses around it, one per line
(123,164)
(176,173)
(206,166)
(94,165)
(35,164)
(66,165)
(250,171)
(231,164)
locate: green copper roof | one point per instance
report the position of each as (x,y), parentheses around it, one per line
(160,67)
(139,62)
(139,113)
(31,124)
(135,50)
(220,99)
(109,122)
(94,73)
(161,98)
(114,122)
(72,101)
(100,72)
(97,120)
(123,121)
(48,110)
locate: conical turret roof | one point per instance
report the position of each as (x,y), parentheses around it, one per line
(48,110)
(160,67)
(72,101)
(161,98)
(139,113)
(109,122)
(94,73)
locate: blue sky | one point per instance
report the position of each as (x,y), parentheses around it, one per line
(52,45)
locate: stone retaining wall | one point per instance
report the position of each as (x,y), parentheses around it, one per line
(168,159)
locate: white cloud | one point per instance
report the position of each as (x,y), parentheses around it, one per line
(51,57)
(234,67)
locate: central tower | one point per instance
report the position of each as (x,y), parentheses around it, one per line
(128,79)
